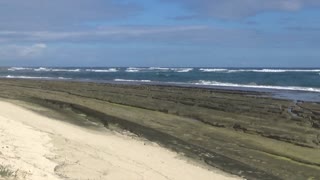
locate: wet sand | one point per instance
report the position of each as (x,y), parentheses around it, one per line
(245,133)
(38,147)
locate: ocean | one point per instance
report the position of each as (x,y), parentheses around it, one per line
(263,79)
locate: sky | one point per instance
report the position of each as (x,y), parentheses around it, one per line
(175,33)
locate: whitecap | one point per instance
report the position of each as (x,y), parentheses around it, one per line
(272,70)
(159,68)
(133,69)
(42,69)
(251,85)
(65,70)
(18,69)
(102,70)
(182,70)
(213,70)
(131,80)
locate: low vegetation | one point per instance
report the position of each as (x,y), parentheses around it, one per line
(6,172)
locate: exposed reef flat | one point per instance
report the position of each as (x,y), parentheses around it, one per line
(245,133)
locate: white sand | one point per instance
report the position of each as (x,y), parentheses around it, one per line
(43,148)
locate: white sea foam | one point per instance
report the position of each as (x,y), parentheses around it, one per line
(65,70)
(292,70)
(259,70)
(159,68)
(274,70)
(130,80)
(133,69)
(31,77)
(270,70)
(18,69)
(102,70)
(64,78)
(181,70)
(213,70)
(296,88)
(42,69)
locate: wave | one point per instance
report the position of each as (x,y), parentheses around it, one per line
(18,69)
(133,69)
(32,77)
(42,69)
(102,70)
(181,70)
(259,70)
(213,70)
(130,80)
(65,70)
(294,88)
(150,69)
(275,70)
(159,68)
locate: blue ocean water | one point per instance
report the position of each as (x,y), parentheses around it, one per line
(299,79)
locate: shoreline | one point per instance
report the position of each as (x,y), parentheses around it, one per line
(224,128)
(283,92)
(38,147)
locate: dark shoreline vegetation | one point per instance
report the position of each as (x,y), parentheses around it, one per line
(246,133)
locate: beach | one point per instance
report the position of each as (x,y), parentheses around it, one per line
(83,130)
(160,89)
(37,147)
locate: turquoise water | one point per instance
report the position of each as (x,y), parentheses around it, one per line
(298,79)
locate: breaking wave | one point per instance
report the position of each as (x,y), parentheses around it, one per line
(157,69)
(18,69)
(130,80)
(133,69)
(258,70)
(102,70)
(32,77)
(65,70)
(223,84)
(213,70)
(42,69)
(182,70)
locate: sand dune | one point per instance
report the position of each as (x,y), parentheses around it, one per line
(38,147)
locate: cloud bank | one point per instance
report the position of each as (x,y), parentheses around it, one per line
(170,35)
(22,51)
(237,9)
(58,14)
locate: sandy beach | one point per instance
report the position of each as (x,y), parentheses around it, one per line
(38,147)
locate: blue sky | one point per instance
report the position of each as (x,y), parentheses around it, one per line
(216,33)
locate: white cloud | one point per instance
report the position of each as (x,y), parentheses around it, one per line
(101,33)
(33,50)
(61,14)
(22,51)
